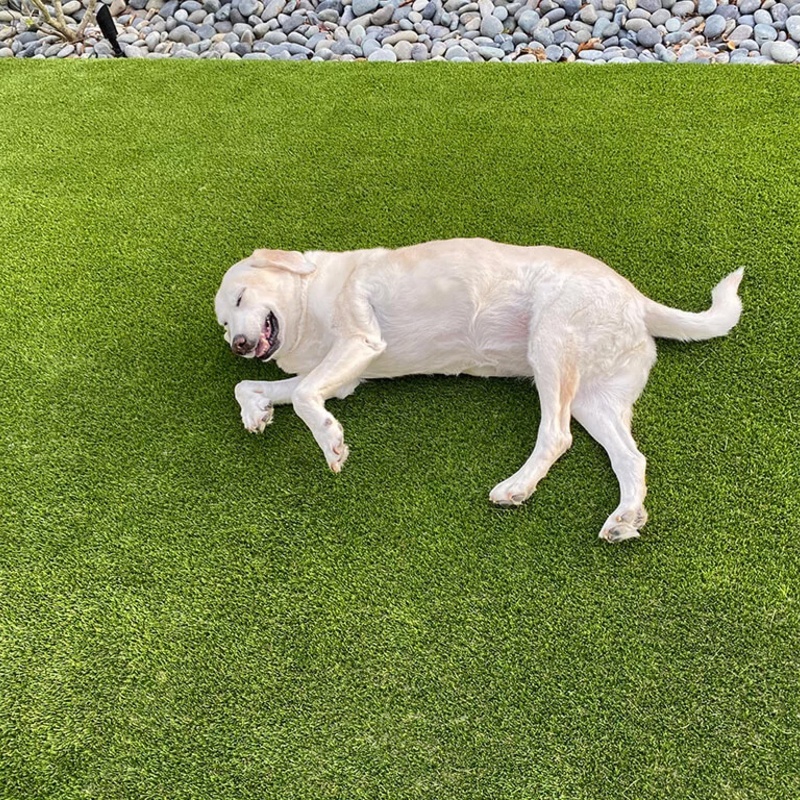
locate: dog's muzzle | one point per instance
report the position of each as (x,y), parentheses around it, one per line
(263,349)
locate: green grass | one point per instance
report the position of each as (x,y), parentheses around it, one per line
(188,611)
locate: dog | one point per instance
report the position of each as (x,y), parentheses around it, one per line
(580,330)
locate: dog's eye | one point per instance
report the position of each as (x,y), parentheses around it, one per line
(239,299)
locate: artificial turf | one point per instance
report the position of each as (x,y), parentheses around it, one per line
(189,611)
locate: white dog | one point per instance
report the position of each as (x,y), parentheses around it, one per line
(580,330)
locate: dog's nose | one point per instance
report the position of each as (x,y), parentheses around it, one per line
(240,345)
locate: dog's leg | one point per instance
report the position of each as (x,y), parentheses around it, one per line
(557,385)
(337,374)
(256,399)
(608,421)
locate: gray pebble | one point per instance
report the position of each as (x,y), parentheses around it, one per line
(528,21)
(383,54)
(764,33)
(419,52)
(554,53)
(706,7)
(403,51)
(793,28)
(683,8)
(490,52)
(648,37)
(783,52)
(715,26)
(491,26)
(361,7)
(455,52)
(740,33)
(749,6)
(651,6)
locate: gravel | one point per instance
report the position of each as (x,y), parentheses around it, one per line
(522,31)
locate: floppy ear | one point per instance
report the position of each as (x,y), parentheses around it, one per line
(289,260)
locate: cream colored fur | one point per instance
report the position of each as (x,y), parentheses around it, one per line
(579,329)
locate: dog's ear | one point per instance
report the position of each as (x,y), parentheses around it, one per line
(289,260)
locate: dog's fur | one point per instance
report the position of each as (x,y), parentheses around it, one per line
(580,330)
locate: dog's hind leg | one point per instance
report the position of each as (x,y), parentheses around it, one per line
(607,418)
(557,384)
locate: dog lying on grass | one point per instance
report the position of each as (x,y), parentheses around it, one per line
(580,330)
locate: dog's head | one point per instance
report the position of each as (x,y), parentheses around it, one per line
(259,302)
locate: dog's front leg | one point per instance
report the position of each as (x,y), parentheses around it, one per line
(256,399)
(340,369)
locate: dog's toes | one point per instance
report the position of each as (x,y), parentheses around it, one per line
(508,494)
(256,419)
(623,525)
(619,533)
(340,456)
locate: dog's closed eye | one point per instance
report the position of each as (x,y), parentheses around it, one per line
(239,298)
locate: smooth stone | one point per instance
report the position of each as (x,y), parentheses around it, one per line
(672,24)
(528,21)
(183,34)
(683,8)
(274,7)
(403,51)
(793,28)
(588,14)
(740,33)
(491,26)
(553,53)
(383,54)
(651,6)
(636,25)
(361,7)
(749,6)
(491,52)
(659,17)
(779,12)
(544,36)
(382,15)
(715,26)
(419,52)
(764,33)
(783,52)
(401,36)
(455,52)
(706,7)
(648,37)
(729,11)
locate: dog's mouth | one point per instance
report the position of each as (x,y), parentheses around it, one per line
(268,342)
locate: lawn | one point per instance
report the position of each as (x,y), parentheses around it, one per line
(190,611)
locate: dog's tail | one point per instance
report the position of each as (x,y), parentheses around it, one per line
(672,323)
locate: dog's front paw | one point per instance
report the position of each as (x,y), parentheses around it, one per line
(256,408)
(331,440)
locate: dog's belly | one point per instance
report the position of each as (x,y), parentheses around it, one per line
(493,343)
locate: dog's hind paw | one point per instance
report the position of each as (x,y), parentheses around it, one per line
(620,527)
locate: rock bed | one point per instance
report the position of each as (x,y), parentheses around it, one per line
(598,31)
